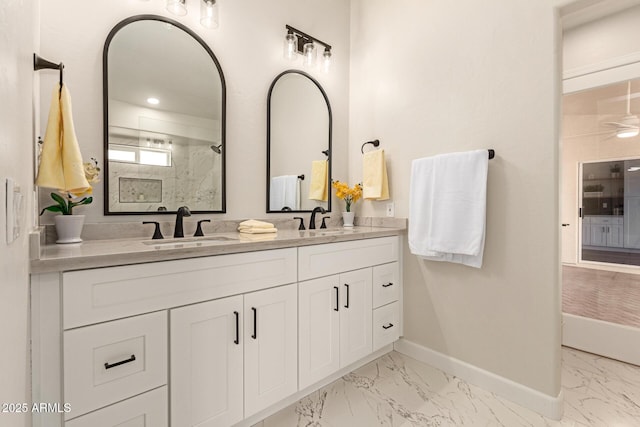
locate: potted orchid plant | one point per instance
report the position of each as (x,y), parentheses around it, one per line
(68,225)
(350,195)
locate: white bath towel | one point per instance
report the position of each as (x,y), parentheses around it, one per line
(447,207)
(284,191)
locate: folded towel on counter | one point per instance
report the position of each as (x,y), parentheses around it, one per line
(319,180)
(284,191)
(253,223)
(252,226)
(61,165)
(447,207)
(257,237)
(257,230)
(375,183)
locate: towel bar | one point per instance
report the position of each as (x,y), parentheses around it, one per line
(492,153)
(301,177)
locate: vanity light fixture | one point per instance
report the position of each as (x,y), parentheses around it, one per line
(209,13)
(296,42)
(177,7)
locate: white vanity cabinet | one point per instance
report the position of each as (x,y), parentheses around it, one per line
(336,309)
(209,341)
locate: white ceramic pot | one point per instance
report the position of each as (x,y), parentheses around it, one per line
(69,228)
(347,218)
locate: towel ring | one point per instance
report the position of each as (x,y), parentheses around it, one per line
(375,143)
(40,63)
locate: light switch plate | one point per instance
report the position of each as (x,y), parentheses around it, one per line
(13,207)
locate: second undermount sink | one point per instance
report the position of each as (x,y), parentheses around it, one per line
(330,232)
(189,241)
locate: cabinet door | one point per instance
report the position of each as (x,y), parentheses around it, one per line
(598,235)
(615,236)
(270,347)
(586,233)
(319,329)
(206,364)
(355,315)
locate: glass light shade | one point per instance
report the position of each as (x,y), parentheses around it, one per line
(209,13)
(177,7)
(290,50)
(627,133)
(326,60)
(309,55)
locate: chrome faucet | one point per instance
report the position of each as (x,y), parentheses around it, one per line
(182,212)
(312,221)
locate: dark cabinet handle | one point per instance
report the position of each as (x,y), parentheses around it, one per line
(347,303)
(390,325)
(237,340)
(387,285)
(255,323)
(337,299)
(107,365)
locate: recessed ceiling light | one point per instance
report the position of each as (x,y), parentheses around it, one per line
(153,101)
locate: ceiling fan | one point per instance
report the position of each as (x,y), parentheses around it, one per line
(629,125)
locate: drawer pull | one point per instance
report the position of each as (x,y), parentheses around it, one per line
(237,340)
(347,303)
(390,325)
(255,323)
(337,299)
(387,285)
(122,362)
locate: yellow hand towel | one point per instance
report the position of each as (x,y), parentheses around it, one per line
(318,186)
(375,184)
(61,162)
(252,223)
(258,230)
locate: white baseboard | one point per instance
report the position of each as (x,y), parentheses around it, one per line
(611,340)
(548,406)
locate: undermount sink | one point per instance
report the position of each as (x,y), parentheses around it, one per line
(332,232)
(189,241)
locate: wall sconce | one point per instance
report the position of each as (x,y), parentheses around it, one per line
(208,11)
(296,42)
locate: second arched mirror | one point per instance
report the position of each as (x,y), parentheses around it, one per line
(298,144)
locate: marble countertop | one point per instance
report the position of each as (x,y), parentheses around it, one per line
(113,252)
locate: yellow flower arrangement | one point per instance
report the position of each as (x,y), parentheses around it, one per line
(350,195)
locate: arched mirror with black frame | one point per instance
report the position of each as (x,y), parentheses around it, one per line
(164,120)
(298,144)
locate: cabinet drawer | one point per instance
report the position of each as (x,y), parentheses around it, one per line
(386,325)
(92,296)
(333,258)
(146,410)
(112,361)
(386,284)
(606,220)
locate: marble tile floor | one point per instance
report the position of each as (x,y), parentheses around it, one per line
(396,390)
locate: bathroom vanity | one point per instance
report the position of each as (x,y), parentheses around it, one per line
(208,332)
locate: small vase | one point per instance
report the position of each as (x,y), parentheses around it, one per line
(69,228)
(347,218)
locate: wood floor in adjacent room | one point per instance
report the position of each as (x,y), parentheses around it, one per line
(602,295)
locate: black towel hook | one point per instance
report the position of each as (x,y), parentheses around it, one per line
(375,143)
(40,63)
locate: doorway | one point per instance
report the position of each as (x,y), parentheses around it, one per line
(601,220)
